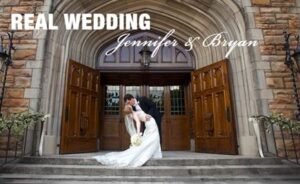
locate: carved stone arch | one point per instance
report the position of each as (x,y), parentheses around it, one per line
(171,58)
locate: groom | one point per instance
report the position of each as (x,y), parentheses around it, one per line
(148,106)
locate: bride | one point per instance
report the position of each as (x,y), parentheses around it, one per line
(135,156)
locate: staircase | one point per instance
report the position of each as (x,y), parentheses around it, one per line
(180,169)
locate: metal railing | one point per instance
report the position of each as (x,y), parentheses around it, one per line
(15,147)
(286,142)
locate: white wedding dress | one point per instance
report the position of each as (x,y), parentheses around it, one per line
(135,156)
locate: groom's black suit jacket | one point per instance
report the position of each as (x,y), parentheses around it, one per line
(149,107)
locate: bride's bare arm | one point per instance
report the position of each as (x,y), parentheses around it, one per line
(137,122)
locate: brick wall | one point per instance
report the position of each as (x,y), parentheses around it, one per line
(273,17)
(19,74)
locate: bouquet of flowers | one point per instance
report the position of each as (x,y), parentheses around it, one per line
(136,140)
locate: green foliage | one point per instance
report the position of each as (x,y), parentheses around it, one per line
(2,125)
(17,123)
(279,120)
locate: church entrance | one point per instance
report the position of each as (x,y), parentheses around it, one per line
(66,134)
(171,100)
(93,109)
(196,104)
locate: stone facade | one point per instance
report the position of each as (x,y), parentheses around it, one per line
(261,84)
(21,93)
(273,17)
(19,87)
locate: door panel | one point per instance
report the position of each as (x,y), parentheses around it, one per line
(84,114)
(178,124)
(220,108)
(71,114)
(110,134)
(179,134)
(94,117)
(80,116)
(111,126)
(207,115)
(114,135)
(215,130)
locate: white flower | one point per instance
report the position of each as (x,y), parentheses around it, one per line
(45,117)
(251,119)
(136,140)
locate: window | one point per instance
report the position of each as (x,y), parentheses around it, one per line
(130,56)
(112,100)
(133,90)
(157,95)
(177,100)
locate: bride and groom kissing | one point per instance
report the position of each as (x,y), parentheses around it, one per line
(137,155)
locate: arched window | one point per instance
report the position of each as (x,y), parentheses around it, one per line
(128,58)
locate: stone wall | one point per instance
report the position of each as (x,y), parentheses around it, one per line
(22,87)
(273,17)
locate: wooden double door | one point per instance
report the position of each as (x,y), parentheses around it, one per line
(172,101)
(93,111)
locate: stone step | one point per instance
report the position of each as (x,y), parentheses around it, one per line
(21,178)
(158,162)
(110,182)
(93,170)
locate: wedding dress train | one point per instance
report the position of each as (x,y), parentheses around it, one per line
(136,155)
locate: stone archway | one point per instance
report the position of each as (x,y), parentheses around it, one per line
(188,18)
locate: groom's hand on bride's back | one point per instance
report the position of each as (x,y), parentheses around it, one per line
(148,117)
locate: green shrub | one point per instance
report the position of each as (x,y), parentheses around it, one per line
(17,123)
(279,120)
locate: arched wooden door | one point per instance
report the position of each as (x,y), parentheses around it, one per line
(80,119)
(214,122)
